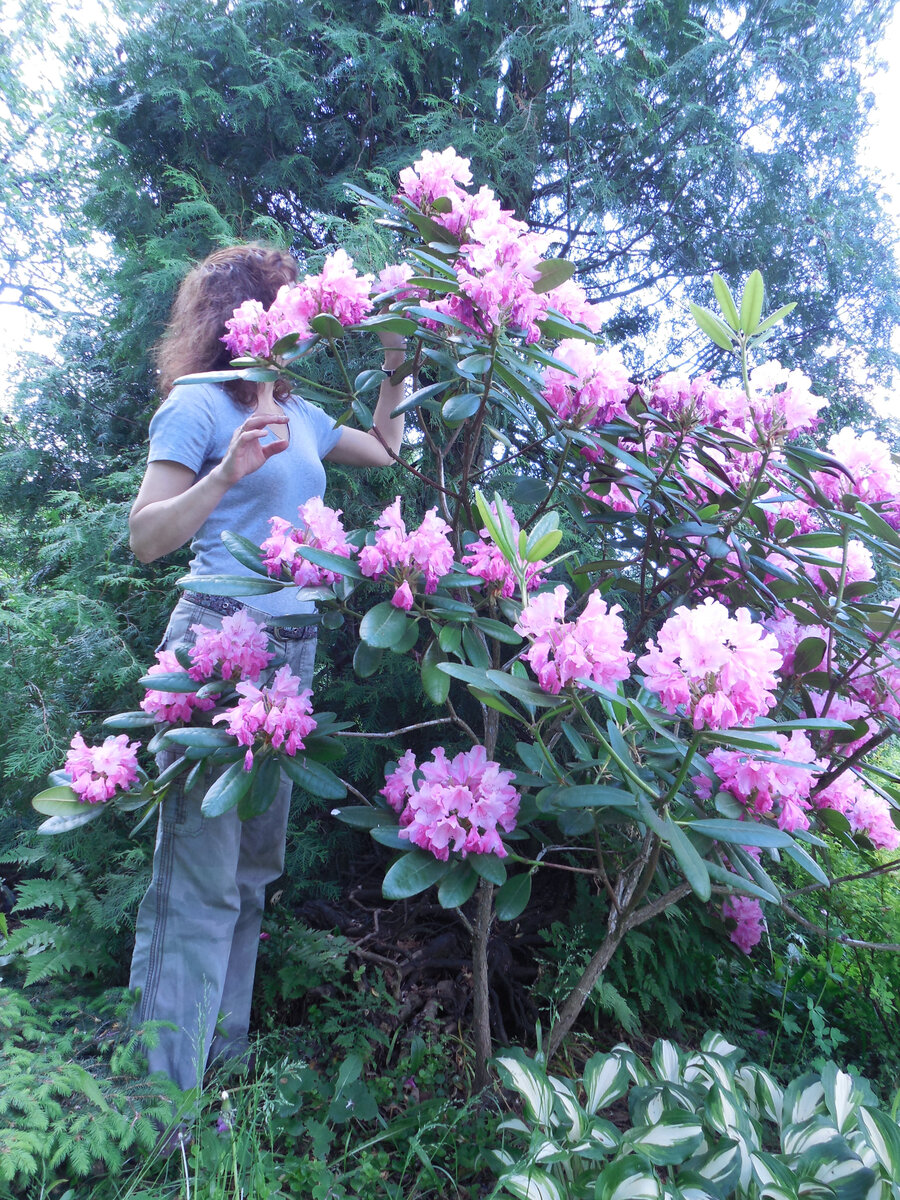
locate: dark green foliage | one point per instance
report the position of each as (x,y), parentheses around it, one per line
(70,1103)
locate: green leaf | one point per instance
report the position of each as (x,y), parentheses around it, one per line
(130,720)
(689,860)
(710,324)
(313,777)
(726,300)
(809,654)
(332,562)
(229,585)
(741,833)
(544,546)
(751,303)
(389,835)
(511,900)
(532,1183)
(461,407)
(420,396)
(226,791)
(251,374)
(592,795)
(169,681)
(361,816)
(628,1178)
(489,867)
(435,683)
(327,326)
(366,660)
(497,630)
(246,552)
(390,324)
(672,1139)
(552,272)
(457,886)
(412,874)
(776,316)
(267,778)
(368,379)
(199,738)
(57,801)
(383,625)
(63,824)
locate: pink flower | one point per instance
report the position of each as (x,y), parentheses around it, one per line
(782,404)
(562,652)
(486,561)
(720,669)
(867,812)
(767,784)
(249,331)
(570,301)
(278,715)
(320,527)
(875,478)
(690,402)
(405,555)
(747,912)
(99,771)
(403,597)
(455,805)
(394,278)
(237,650)
(599,390)
(860,568)
(789,633)
(172,706)
(435,176)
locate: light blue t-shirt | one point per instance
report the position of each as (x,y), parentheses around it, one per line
(194,427)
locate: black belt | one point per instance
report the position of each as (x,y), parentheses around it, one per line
(227,606)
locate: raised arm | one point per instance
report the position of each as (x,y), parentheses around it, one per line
(358,448)
(173,503)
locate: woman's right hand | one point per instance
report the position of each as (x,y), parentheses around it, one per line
(246,453)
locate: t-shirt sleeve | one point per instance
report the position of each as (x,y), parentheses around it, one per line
(183,428)
(324,431)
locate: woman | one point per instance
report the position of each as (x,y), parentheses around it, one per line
(225,457)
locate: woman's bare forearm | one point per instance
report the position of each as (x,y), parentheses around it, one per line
(158,527)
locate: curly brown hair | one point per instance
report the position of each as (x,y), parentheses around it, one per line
(206,299)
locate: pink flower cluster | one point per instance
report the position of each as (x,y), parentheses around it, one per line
(405,555)
(598,391)
(238,650)
(781,406)
(720,669)
(98,772)
(172,707)
(486,561)
(457,804)
(788,634)
(499,257)
(320,527)
(338,290)
(278,715)
(562,651)
(747,912)
(875,476)
(781,781)
(859,565)
(867,812)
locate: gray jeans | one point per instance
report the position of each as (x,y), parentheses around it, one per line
(198,925)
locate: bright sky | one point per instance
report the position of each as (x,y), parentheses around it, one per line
(881,152)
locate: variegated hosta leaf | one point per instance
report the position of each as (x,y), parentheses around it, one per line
(842,1097)
(817,1133)
(803,1098)
(719,1166)
(770,1171)
(548,1152)
(692,1186)
(515,1125)
(841,1171)
(646,1104)
(628,1178)
(712,1068)
(605,1081)
(530,1080)
(672,1139)
(883,1135)
(728,1117)
(767,1094)
(533,1185)
(715,1043)
(570,1110)
(603,1134)
(666,1060)
(633,1065)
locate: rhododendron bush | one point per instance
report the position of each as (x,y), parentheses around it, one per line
(687,699)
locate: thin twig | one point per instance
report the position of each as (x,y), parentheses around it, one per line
(840,938)
(405,729)
(884,869)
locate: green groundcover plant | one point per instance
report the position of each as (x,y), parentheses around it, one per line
(654,625)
